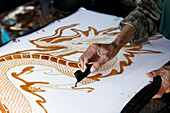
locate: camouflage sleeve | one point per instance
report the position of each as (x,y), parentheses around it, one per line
(144,19)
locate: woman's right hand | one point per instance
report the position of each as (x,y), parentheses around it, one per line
(101,53)
(98,54)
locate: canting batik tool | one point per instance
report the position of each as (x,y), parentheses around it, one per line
(81,75)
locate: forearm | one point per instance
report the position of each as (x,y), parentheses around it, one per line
(126,35)
(144,20)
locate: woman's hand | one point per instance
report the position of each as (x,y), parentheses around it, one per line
(99,54)
(164,72)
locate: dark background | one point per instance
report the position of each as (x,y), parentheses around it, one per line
(6,5)
(114,7)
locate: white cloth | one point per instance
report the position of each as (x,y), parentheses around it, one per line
(110,94)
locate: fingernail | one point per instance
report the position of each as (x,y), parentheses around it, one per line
(92,69)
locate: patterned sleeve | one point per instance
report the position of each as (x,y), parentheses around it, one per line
(144,19)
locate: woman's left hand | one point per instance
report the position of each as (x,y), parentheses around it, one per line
(164,72)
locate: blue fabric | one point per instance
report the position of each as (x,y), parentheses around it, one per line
(4,38)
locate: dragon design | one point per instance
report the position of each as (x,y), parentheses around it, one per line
(61,52)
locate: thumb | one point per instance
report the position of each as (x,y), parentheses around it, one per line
(99,63)
(161,90)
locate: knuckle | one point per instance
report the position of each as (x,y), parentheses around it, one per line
(162,69)
(106,57)
(81,58)
(154,72)
(94,45)
(165,69)
(97,65)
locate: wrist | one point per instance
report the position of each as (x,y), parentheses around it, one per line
(118,41)
(126,35)
(116,46)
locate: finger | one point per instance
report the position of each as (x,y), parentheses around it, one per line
(154,73)
(81,60)
(99,63)
(86,61)
(160,92)
(167,83)
(167,90)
